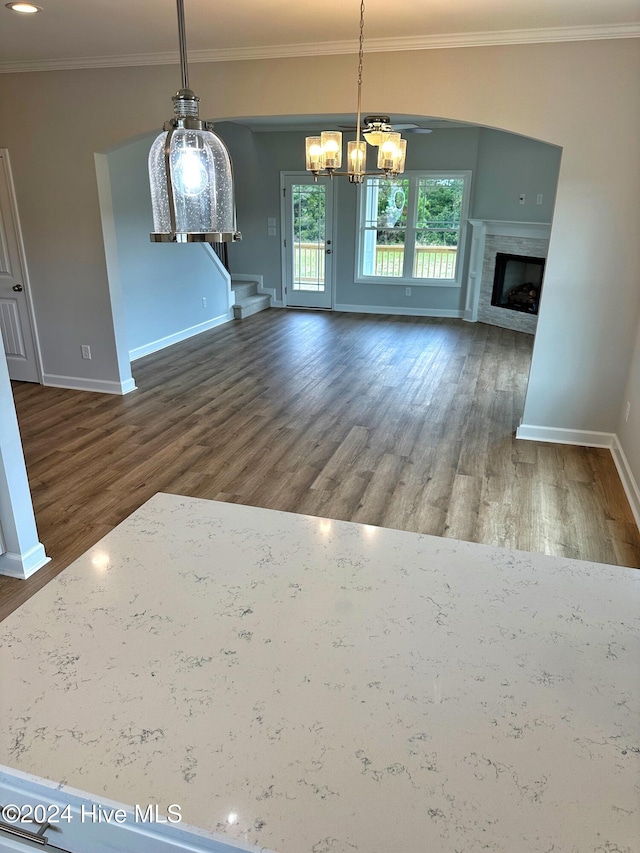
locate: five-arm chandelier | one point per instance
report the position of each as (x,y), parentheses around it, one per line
(190,172)
(324,152)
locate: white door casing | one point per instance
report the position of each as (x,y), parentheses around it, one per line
(307,262)
(17,321)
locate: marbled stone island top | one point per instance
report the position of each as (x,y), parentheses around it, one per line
(314,686)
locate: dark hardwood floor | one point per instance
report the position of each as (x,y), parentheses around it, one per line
(394,421)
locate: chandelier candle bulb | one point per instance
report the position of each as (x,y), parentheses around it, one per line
(402,156)
(332,148)
(356,155)
(389,152)
(315,154)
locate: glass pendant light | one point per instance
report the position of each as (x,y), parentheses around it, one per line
(190,172)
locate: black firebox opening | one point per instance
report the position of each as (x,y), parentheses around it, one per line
(517,282)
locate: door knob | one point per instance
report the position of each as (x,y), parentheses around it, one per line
(18,288)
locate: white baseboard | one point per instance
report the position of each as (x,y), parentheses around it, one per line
(23,565)
(587,438)
(129,385)
(629,483)
(78,383)
(410,312)
(183,335)
(559,435)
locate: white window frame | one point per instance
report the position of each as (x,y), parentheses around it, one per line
(412,205)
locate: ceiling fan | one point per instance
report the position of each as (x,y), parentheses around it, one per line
(374,126)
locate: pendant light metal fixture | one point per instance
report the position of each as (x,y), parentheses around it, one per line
(324,152)
(190,172)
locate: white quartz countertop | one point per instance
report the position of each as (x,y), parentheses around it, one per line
(316,686)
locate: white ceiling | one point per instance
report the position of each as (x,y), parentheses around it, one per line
(85,33)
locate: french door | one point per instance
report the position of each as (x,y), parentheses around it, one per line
(308,241)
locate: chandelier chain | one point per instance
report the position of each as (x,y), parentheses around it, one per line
(360,64)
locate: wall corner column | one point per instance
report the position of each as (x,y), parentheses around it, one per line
(23,553)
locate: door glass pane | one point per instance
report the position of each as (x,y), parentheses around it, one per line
(309,236)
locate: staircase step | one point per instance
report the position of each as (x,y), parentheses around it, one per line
(244,291)
(251,305)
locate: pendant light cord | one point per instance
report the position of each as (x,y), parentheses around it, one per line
(360,62)
(182,38)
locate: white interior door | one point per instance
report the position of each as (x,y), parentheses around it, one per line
(308,241)
(16,319)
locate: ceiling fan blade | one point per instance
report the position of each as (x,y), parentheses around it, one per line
(399,128)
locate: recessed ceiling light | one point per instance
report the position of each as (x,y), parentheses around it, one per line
(24,8)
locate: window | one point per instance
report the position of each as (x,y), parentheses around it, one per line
(412,228)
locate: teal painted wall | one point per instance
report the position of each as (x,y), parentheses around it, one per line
(509,165)
(503,166)
(163,284)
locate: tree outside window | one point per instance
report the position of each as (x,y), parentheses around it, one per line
(411,226)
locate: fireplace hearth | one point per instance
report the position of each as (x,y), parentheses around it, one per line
(517,282)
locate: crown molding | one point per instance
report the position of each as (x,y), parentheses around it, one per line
(382,45)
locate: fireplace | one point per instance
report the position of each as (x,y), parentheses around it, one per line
(517,282)
(526,242)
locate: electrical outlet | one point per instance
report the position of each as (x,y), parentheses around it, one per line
(539,198)
(521,198)
(204,301)
(85,349)
(407,291)
(627,411)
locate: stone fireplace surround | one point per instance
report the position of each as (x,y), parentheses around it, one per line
(490,236)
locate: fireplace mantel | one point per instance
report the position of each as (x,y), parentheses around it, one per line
(480,230)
